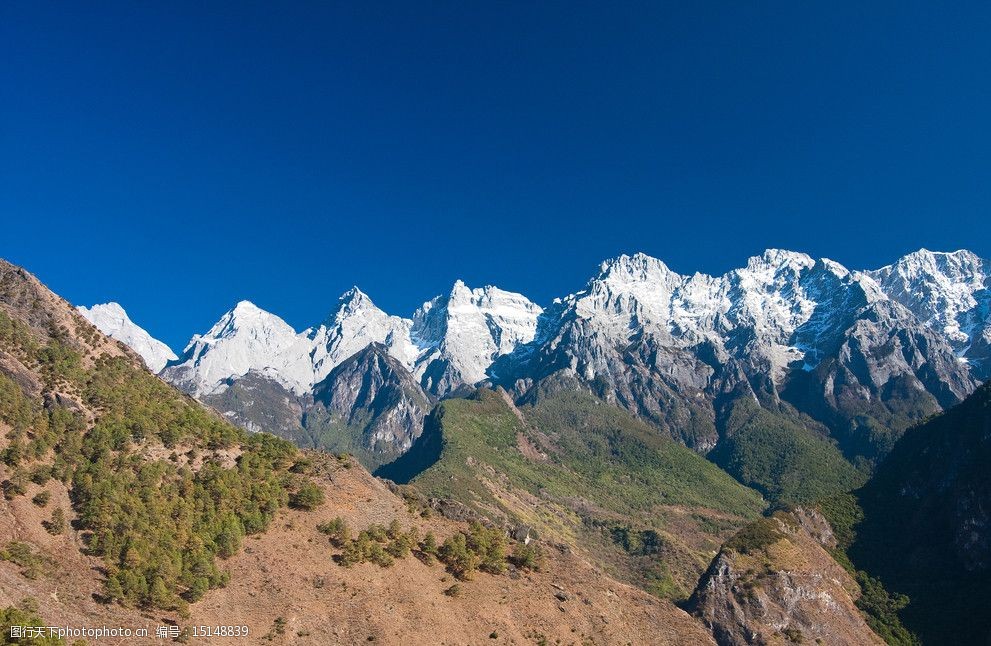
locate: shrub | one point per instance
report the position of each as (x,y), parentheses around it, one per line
(338,531)
(356,551)
(56,525)
(400,546)
(378,555)
(490,545)
(41,499)
(527,557)
(308,497)
(460,559)
(377,533)
(41,474)
(755,537)
(16,485)
(428,545)
(32,564)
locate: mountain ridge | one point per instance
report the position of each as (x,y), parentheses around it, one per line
(866,353)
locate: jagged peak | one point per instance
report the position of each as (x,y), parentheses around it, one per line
(633,274)
(638,265)
(834,267)
(245,315)
(925,261)
(354,295)
(781,259)
(375,355)
(461,291)
(463,295)
(351,303)
(460,288)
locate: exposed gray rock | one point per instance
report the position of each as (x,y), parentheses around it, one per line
(374,401)
(788,590)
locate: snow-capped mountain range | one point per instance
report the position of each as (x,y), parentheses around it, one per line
(662,344)
(450,341)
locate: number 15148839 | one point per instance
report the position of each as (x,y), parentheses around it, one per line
(219,631)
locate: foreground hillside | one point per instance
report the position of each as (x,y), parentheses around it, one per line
(285,586)
(586,473)
(127,504)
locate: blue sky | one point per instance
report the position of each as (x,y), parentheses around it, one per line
(177,157)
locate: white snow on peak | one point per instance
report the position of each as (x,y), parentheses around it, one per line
(778,307)
(355,323)
(942,289)
(247,338)
(112,320)
(768,295)
(634,292)
(638,267)
(470,328)
(755,310)
(628,291)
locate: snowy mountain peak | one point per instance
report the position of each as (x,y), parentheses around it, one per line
(112,320)
(246,307)
(464,332)
(245,318)
(627,292)
(245,339)
(777,262)
(945,290)
(638,267)
(351,303)
(959,267)
(355,323)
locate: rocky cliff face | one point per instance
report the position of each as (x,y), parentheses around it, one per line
(369,405)
(373,401)
(774,583)
(259,403)
(949,292)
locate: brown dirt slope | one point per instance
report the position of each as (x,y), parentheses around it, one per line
(288,573)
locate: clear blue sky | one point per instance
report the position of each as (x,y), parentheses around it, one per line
(177,157)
